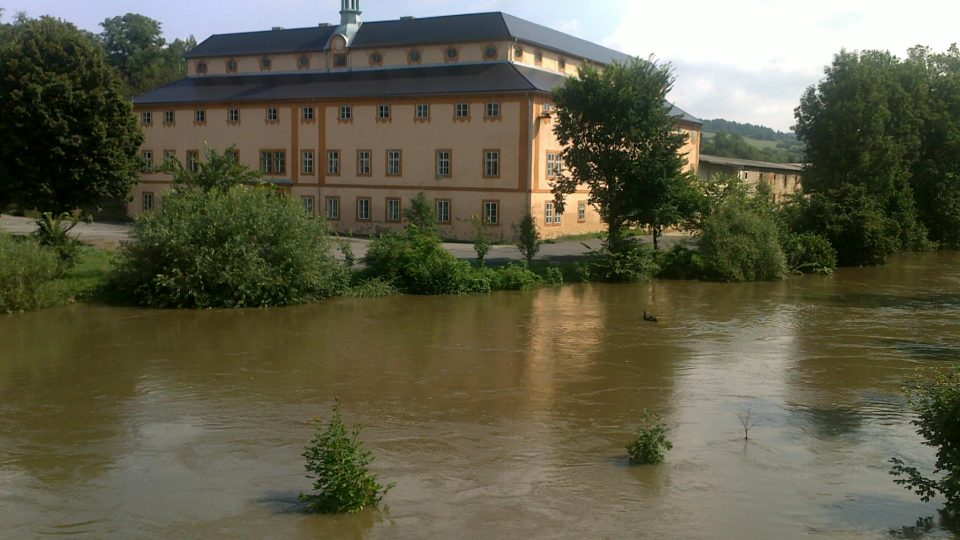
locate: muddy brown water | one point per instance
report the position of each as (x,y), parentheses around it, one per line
(498,416)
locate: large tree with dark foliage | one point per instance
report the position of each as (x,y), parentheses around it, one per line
(622,144)
(134,45)
(68,138)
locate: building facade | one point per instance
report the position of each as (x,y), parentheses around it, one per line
(355,119)
(783,179)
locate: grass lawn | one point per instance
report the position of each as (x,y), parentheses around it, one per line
(86,280)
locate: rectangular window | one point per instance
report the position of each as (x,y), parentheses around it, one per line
(462,110)
(554,165)
(233,115)
(307,114)
(333,208)
(169,117)
(200,116)
(364,166)
(146,161)
(393,210)
(423,111)
(346,112)
(443,163)
(394,163)
(582,211)
(273,115)
(333,163)
(492,110)
(233,154)
(363,209)
(340,60)
(383,112)
(307,162)
(193,161)
(491,163)
(491,212)
(548,213)
(169,158)
(146,201)
(308,203)
(146,118)
(443,210)
(273,161)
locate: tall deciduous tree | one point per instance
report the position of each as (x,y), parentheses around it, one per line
(622,143)
(134,45)
(862,124)
(68,138)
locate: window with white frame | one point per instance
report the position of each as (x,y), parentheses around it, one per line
(307,162)
(193,161)
(146,118)
(491,163)
(423,111)
(548,213)
(554,165)
(492,110)
(169,158)
(383,112)
(333,162)
(442,210)
(273,114)
(308,203)
(346,112)
(462,110)
(364,163)
(393,210)
(333,208)
(169,117)
(363,209)
(146,199)
(582,211)
(491,212)
(146,161)
(200,116)
(233,115)
(307,114)
(443,163)
(394,163)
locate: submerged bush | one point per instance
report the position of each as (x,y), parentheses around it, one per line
(415,262)
(742,243)
(631,261)
(809,253)
(513,277)
(27,272)
(236,248)
(936,402)
(651,444)
(680,262)
(339,468)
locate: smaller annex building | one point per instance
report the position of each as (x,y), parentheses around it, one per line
(783,178)
(354,119)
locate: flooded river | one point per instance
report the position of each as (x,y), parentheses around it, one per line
(498,416)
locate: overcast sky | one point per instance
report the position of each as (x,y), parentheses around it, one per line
(744,60)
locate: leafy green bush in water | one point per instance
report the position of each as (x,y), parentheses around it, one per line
(742,243)
(680,262)
(239,247)
(27,272)
(513,277)
(936,402)
(415,262)
(553,275)
(651,444)
(809,253)
(632,261)
(339,468)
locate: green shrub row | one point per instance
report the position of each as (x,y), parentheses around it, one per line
(27,275)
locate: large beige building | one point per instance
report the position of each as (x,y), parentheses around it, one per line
(355,119)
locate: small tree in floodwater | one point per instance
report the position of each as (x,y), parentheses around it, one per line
(650,445)
(338,465)
(937,404)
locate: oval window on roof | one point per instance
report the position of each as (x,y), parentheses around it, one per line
(518,52)
(452,53)
(490,52)
(265,62)
(376,59)
(201,67)
(414,56)
(304,61)
(232,65)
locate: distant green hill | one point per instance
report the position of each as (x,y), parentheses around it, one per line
(749,141)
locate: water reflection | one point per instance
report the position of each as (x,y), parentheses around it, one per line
(499,415)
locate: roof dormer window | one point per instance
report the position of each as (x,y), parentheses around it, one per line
(303,62)
(414,56)
(265,63)
(201,68)
(451,54)
(231,66)
(490,52)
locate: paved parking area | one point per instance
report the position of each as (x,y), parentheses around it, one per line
(109,235)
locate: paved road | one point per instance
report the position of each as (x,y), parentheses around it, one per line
(109,235)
